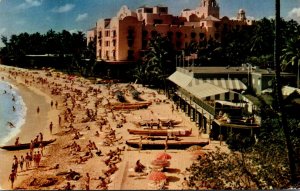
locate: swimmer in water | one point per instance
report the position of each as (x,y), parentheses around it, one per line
(11,125)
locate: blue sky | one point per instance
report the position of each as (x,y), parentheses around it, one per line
(31,16)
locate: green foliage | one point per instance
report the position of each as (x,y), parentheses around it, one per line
(157,64)
(61,45)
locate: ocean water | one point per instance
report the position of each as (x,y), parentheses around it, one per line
(8,100)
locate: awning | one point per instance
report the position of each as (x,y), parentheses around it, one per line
(203,90)
(230,84)
(180,79)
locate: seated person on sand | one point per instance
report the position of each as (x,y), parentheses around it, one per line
(81,160)
(139,167)
(72,175)
(97,134)
(103,184)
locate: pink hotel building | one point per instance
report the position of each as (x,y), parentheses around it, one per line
(121,39)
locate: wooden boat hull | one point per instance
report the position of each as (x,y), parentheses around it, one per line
(172,144)
(163,123)
(26,145)
(161,132)
(128,106)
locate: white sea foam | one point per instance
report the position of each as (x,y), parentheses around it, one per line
(21,111)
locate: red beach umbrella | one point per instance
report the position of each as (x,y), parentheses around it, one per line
(163,156)
(160,163)
(157,176)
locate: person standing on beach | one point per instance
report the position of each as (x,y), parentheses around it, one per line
(15,164)
(166,143)
(51,103)
(27,161)
(22,160)
(87,181)
(12,177)
(50,127)
(38,158)
(56,104)
(59,120)
(38,110)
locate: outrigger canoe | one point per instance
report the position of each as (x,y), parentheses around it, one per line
(130,106)
(170,122)
(161,132)
(26,145)
(160,144)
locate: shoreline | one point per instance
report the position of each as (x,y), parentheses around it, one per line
(78,99)
(30,128)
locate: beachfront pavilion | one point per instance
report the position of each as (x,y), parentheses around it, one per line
(205,98)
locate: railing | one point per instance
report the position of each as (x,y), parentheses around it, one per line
(210,109)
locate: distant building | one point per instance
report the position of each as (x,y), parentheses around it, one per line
(124,37)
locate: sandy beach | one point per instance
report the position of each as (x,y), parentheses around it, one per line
(32,127)
(84,109)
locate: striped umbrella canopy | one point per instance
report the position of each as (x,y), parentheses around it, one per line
(160,163)
(157,176)
(163,156)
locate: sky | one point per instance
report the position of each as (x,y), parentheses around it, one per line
(17,16)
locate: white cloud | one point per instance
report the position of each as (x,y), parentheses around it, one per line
(3,30)
(64,8)
(75,30)
(30,3)
(294,14)
(81,17)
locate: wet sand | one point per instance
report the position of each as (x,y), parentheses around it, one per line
(34,124)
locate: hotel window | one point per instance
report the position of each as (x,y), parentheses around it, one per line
(100,42)
(107,54)
(114,33)
(170,35)
(100,53)
(193,35)
(107,33)
(100,34)
(201,35)
(114,43)
(178,34)
(106,43)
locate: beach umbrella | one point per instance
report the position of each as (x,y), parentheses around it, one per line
(163,156)
(160,163)
(157,176)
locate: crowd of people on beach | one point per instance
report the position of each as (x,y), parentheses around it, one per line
(85,109)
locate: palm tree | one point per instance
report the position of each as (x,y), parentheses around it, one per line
(262,39)
(159,60)
(291,56)
(278,85)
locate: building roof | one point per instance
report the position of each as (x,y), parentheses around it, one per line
(199,89)
(231,84)
(287,90)
(211,18)
(204,90)
(180,79)
(216,70)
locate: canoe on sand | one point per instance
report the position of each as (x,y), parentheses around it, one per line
(26,145)
(160,144)
(161,132)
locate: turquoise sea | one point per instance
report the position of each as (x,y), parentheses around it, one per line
(12,112)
